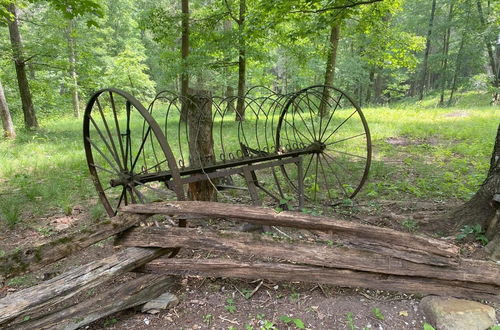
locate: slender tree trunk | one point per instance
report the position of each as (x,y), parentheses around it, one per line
(184,57)
(330,67)
(242,63)
(30,120)
(72,67)
(489,47)
(369,89)
(446,47)
(378,87)
(229,92)
(8,126)
(457,68)
(427,52)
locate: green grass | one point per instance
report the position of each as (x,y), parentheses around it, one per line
(446,157)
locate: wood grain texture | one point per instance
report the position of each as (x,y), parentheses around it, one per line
(409,247)
(65,286)
(317,254)
(34,257)
(129,294)
(314,274)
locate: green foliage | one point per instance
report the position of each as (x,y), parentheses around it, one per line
(299,324)
(427,326)
(349,318)
(230,306)
(476,231)
(378,314)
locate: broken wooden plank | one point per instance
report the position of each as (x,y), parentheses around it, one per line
(410,247)
(65,286)
(126,295)
(33,257)
(314,274)
(324,254)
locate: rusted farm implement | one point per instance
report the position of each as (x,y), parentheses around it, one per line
(284,139)
(313,144)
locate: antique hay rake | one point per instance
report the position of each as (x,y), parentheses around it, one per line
(311,146)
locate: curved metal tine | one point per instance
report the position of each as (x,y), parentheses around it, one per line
(146,170)
(103,117)
(218,118)
(297,131)
(140,150)
(345,139)
(337,105)
(299,110)
(335,174)
(250,104)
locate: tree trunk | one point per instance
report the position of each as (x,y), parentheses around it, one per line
(446,47)
(201,143)
(480,209)
(457,68)
(330,67)
(184,57)
(72,67)
(30,120)
(378,87)
(427,51)
(8,127)
(242,63)
(491,56)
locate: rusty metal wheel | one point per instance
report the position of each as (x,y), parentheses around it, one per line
(331,127)
(123,144)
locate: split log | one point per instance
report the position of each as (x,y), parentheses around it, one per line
(34,257)
(308,253)
(313,274)
(65,286)
(127,295)
(385,241)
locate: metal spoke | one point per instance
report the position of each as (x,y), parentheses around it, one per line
(102,168)
(349,138)
(325,177)
(140,149)
(105,122)
(336,177)
(330,118)
(115,156)
(103,155)
(347,154)
(117,125)
(341,124)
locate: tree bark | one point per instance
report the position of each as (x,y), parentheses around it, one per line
(201,143)
(242,62)
(184,58)
(479,209)
(457,68)
(446,47)
(30,120)
(330,67)
(8,126)
(72,67)
(493,64)
(423,75)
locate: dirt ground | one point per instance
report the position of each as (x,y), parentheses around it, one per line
(222,303)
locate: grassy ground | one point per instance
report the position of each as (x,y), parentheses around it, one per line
(420,152)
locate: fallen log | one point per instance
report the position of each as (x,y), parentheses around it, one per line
(385,241)
(324,254)
(33,257)
(129,294)
(314,274)
(63,287)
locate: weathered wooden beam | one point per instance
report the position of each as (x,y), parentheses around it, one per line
(409,247)
(65,286)
(129,294)
(314,274)
(33,257)
(324,254)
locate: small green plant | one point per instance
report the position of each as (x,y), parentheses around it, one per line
(19,281)
(410,225)
(267,325)
(248,327)
(349,317)
(495,327)
(299,324)
(11,214)
(231,328)
(294,296)
(476,231)
(45,231)
(230,307)
(378,314)
(110,322)
(208,318)
(96,212)
(26,318)
(427,326)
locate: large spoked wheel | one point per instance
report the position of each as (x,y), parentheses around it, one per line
(332,131)
(124,147)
